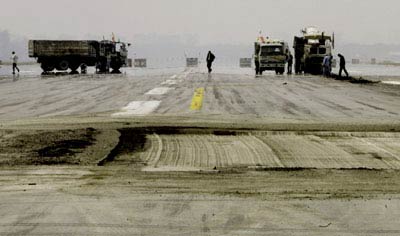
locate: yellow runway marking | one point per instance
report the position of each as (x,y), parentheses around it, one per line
(197,101)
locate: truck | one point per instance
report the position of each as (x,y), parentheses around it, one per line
(71,54)
(270,55)
(310,50)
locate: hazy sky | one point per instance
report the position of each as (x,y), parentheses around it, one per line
(233,21)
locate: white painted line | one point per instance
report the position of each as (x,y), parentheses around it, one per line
(158,91)
(169,82)
(138,108)
(391,82)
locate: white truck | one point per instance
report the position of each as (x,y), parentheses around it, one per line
(270,55)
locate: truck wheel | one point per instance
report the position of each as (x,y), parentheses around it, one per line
(74,66)
(102,66)
(115,65)
(63,65)
(46,66)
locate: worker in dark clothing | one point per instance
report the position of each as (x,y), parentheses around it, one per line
(342,66)
(289,64)
(257,64)
(210,59)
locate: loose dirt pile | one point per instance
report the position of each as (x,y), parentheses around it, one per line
(81,146)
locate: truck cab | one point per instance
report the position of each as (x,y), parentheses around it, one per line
(271,55)
(112,55)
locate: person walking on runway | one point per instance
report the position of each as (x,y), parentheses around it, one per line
(14,59)
(210,60)
(342,65)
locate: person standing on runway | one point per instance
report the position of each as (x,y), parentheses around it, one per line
(290,64)
(210,60)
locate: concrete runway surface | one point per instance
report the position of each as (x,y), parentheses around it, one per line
(187,153)
(226,95)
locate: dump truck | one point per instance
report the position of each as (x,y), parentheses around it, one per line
(310,50)
(71,54)
(270,55)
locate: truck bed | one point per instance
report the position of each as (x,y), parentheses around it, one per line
(54,48)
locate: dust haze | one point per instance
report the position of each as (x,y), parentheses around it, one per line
(193,26)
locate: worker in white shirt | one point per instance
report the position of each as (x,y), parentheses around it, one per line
(14,59)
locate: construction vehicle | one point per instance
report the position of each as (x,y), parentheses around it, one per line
(71,54)
(270,55)
(310,50)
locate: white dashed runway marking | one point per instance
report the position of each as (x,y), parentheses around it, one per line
(146,107)
(138,108)
(169,82)
(158,91)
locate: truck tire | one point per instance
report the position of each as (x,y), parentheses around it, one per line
(279,71)
(74,66)
(102,66)
(115,65)
(62,65)
(47,66)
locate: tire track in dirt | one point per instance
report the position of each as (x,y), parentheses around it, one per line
(370,152)
(209,151)
(377,108)
(222,102)
(268,149)
(284,104)
(240,100)
(159,150)
(325,151)
(295,151)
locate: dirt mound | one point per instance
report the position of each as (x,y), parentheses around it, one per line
(45,147)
